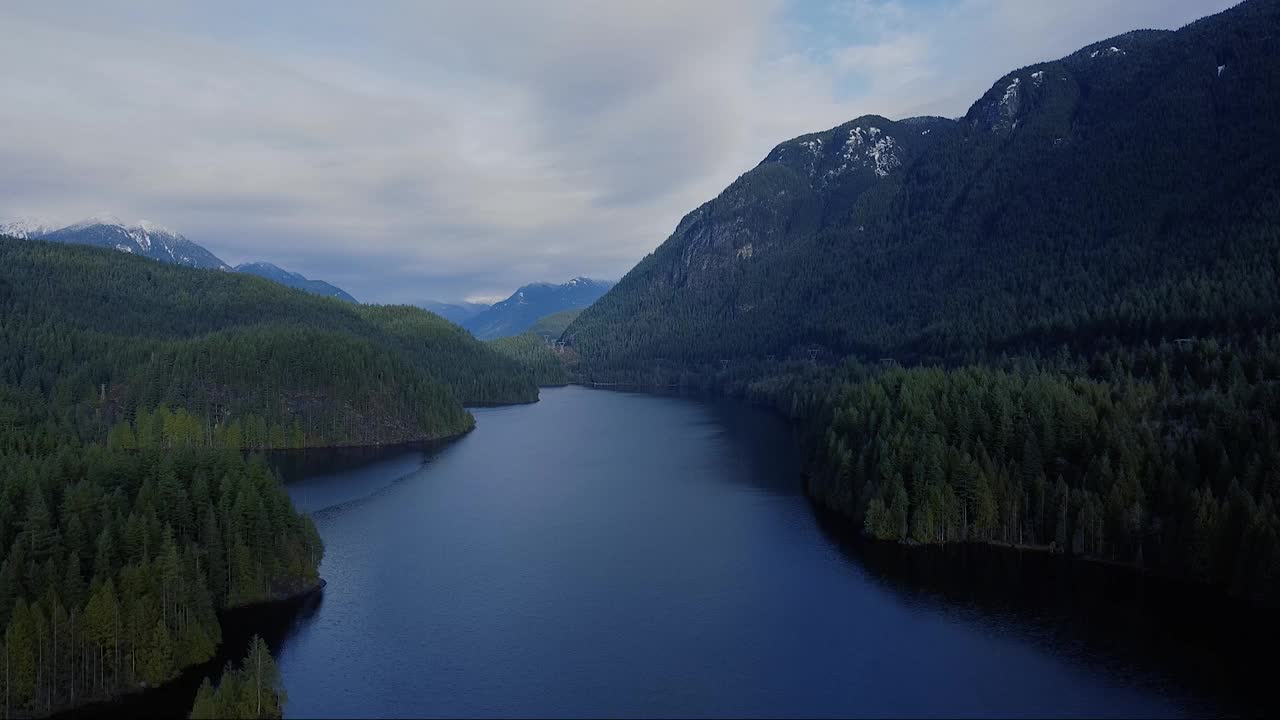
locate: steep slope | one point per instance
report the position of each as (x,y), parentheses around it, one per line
(98,338)
(1101,194)
(144,239)
(531,302)
(293,280)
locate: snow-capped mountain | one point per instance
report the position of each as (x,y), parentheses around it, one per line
(24,228)
(532,302)
(144,238)
(157,242)
(293,280)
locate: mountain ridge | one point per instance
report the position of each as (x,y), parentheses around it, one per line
(157,242)
(531,302)
(917,240)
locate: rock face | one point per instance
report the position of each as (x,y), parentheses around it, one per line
(1070,190)
(803,185)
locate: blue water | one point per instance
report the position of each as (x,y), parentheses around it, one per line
(611,554)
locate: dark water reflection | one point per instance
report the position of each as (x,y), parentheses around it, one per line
(612,554)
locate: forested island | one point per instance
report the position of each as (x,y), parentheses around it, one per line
(1051,322)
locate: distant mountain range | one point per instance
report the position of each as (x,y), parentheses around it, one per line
(293,280)
(533,302)
(147,239)
(456,313)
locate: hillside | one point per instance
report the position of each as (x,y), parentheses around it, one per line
(552,326)
(532,302)
(96,338)
(1051,322)
(534,353)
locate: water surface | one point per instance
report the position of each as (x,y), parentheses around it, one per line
(612,554)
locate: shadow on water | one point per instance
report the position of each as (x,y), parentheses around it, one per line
(273,621)
(1187,637)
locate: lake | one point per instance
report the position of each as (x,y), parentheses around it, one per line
(602,553)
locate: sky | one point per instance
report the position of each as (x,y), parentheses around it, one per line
(410,151)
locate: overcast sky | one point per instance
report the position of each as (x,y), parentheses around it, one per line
(427,150)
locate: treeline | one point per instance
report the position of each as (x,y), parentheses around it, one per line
(534,353)
(252,691)
(116,564)
(105,338)
(1164,456)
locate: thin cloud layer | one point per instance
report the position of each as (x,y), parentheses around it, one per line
(408,151)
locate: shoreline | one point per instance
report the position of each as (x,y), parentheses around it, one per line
(232,623)
(832,514)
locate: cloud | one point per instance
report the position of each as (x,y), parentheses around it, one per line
(408,150)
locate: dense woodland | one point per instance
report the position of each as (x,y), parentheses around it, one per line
(103,339)
(536,355)
(117,562)
(129,390)
(1054,324)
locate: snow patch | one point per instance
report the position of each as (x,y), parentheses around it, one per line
(24,228)
(1038,76)
(1220,69)
(869,148)
(1011,93)
(1112,51)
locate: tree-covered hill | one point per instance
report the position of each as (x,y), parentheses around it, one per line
(534,352)
(1052,322)
(551,327)
(128,388)
(99,338)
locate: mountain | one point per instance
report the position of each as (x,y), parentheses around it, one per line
(24,228)
(1127,189)
(531,302)
(150,240)
(456,313)
(145,239)
(1053,322)
(293,280)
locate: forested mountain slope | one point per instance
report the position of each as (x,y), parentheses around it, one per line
(1053,322)
(1128,189)
(95,337)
